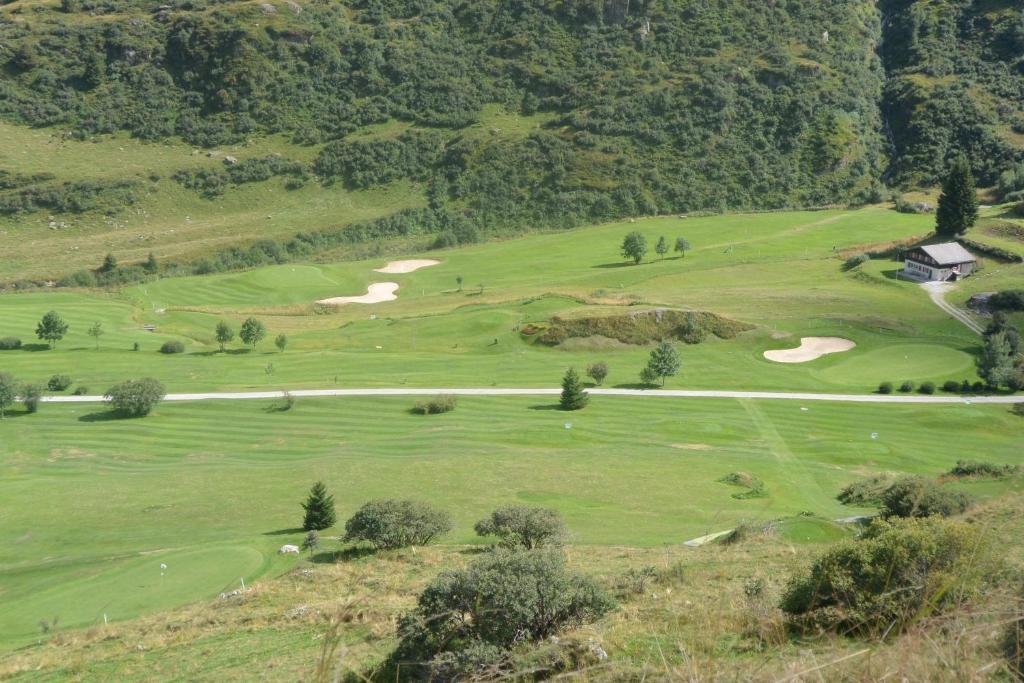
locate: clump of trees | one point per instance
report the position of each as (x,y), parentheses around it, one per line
(319,509)
(9,343)
(135,398)
(522,526)
(999,363)
(390,524)
(881,582)
(467,621)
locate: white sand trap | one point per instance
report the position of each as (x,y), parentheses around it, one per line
(396,267)
(375,294)
(809,349)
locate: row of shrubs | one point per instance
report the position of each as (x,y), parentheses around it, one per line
(949,386)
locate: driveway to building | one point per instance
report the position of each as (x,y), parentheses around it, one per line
(937,292)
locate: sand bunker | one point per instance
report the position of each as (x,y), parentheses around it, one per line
(375,293)
(408,266)
(809,349)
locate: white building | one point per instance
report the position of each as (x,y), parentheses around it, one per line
(939,262)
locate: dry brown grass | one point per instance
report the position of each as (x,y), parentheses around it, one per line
(700,614)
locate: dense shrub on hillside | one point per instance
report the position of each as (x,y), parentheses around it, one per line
(172,346)
(885,579)
(213,182)
(466,621)
(58,383)
(978,468)
(9,343)
(444,403)
(865,492)
(624,139)
(74,197)
(135,398)
(644,327)
(365,163)
(922,497)
(522,526)
(1008,300)
(389,524)
(927,388)
(885,388)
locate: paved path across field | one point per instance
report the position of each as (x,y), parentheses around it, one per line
(493,391)
(937,292)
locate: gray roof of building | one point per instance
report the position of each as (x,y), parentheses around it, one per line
(948,253)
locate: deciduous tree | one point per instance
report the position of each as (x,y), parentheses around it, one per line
(252,332)
(224,334)
(634,246)
(52,328)
(663,363)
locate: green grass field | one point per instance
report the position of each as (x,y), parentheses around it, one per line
(93,506)
(779,272)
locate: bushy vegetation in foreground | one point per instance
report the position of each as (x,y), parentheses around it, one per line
(894,573)
(466,621)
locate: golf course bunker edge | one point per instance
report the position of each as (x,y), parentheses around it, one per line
(375,294)
(810,349)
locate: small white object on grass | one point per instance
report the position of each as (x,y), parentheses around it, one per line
(568,425)
(163,566)
(874,435)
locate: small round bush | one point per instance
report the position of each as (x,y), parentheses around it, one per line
(922,497)
(135,346)
(390,524)
(31,395)
(965,386)
(80,391)
(9,343)
(136,398)
(885,388)
(173,346)
(951,386)
(978,387)
(58,383)
(522,526)
(907,387)
(927,388)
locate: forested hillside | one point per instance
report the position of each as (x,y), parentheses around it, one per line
(956,83)
(626,107)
